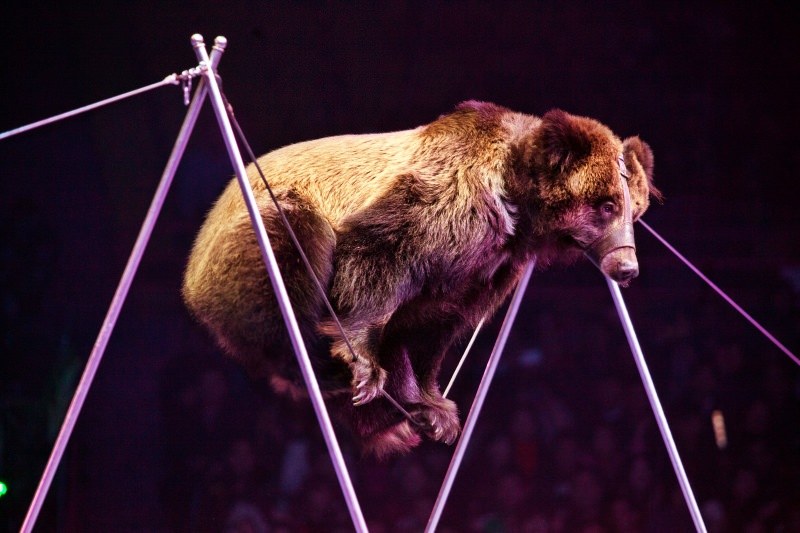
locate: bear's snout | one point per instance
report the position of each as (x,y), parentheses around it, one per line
(620,265)
(626,271)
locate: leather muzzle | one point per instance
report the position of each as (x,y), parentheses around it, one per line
(620,234)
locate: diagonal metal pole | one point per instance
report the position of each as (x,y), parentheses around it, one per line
(655,403)
(280,292)
(480,396)
(118,300)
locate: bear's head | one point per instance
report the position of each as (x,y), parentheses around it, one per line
(589,188)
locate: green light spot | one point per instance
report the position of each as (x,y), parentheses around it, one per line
(3,488)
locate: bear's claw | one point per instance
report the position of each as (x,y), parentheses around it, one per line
(368,381)
(439,421)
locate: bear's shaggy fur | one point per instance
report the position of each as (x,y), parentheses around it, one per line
(415,235)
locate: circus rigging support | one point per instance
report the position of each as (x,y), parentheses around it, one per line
(209,86)
(121,292)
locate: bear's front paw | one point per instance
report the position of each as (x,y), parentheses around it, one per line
(368,381)
(439,420)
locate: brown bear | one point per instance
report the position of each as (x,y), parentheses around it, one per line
(415,235)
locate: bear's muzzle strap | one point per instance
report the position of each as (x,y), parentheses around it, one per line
(619,235)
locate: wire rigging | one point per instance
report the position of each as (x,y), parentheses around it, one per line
(172,79)
(723,294)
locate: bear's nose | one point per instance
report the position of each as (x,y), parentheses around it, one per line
(626,271)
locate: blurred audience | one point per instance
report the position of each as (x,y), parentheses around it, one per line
(567,442)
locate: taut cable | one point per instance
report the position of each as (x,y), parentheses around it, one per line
(464,357)
(172,79)
(724,296)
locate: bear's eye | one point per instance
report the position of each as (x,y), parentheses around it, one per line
(608,208)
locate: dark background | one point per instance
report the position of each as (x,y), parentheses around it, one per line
(712,87)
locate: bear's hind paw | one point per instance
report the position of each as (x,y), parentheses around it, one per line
(439,423)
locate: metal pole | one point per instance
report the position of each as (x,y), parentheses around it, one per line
(114,309)
(652,395)
(280,292)
(480,396)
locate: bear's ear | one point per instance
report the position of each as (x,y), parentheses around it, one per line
(562,142)
(636,151)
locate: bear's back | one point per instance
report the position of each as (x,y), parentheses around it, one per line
(340,175)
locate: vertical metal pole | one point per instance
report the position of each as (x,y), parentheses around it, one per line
(118,300)
(280,293)
(480,396)
(652,395)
